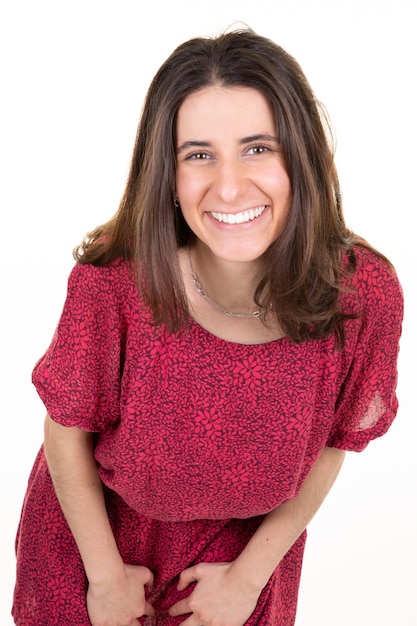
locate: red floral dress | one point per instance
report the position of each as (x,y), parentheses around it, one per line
(197,438)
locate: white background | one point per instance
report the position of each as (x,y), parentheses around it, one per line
(73,78)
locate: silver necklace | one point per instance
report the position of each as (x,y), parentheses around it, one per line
(199,287)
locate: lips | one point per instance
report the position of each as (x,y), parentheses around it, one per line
(239,218)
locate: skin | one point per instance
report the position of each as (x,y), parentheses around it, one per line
(228,162)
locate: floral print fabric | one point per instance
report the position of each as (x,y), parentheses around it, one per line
(197,438)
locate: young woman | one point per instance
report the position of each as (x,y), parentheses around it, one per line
(224,341)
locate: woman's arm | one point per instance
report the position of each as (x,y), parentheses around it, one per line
(285,524)
(115,589)
(227,593)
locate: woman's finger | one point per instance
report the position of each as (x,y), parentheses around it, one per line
(187,577)
(179,608)
(149,610)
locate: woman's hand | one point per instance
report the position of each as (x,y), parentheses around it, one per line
(220,597)
(120,602)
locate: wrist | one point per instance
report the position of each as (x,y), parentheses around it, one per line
(105,570)
(252,580)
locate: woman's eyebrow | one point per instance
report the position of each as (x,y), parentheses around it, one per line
(206,144)
(259,137)
(193,144)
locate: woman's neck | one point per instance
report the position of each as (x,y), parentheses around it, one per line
(230,284)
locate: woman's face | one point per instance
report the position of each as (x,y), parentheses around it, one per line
(231,181)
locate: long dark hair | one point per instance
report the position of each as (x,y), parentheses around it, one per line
(303,267)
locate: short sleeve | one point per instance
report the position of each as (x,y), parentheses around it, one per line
(367,402)
(78,378)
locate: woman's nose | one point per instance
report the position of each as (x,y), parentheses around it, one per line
(230,181)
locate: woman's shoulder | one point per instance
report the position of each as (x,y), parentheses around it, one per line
(113,284)
(374,280)
(373,267)
(120,267)
(117,273)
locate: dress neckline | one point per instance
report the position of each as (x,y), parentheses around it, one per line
(221,340)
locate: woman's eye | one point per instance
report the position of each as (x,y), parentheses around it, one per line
(199,156)
(258,149)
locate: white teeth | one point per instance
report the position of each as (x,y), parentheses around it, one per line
(239,218)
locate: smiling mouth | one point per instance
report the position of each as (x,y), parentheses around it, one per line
(239,218)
